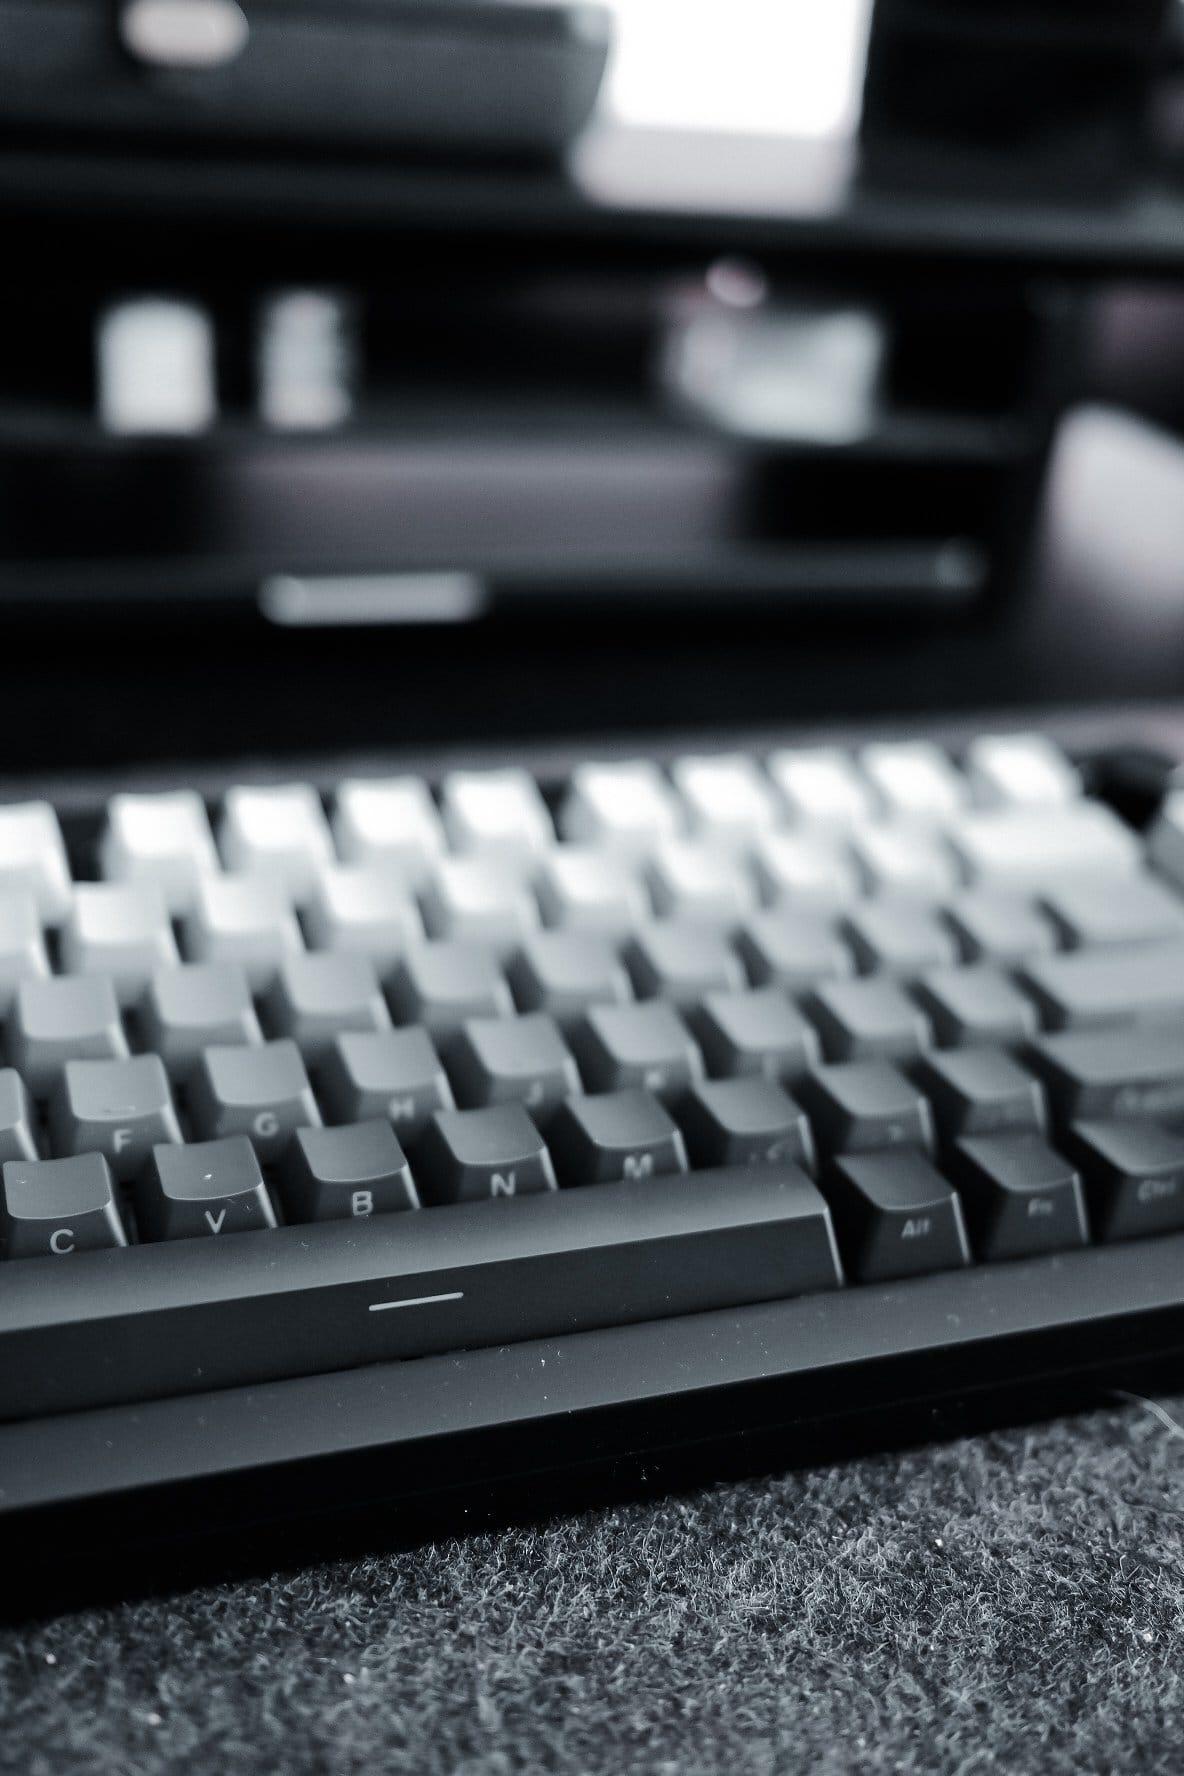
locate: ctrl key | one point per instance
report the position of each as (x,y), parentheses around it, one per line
(52,1207)
(205,1189)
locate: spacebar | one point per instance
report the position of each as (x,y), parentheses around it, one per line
(145,1322)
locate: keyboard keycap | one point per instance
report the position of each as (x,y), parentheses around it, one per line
(1020,1197)
(914,780)
(163,841)
(1165,839)
(442,985)
(350,1173)
(743,1122)
(895,858)
(202,1191)
(895,1215)
(1093,914)
(1020,848)
(279,831)
(1020,770)
(364,909)
(61,1019)
(869,1019)
(1136,1072)
(194,1006)
(644,1045)
(18,1129)
(54,1207)
(680,960)
(981,1091)
(396,1074)
(498,813)
(313,998)
(468,1155)
(243,919)
(23,954)
(792,949)
(615,1136)
(121,1109)
(512,1060)
(121,930)
(580,888)
(1093,987)
(754,1032)
(33,858)
(862,1106)
(1134,1176)
(262,1092)
(898,937)
(805,871)
(820,786)
(479,900)
(628,806)
(726,797)
(565,972)
(993,925)
(699,879)
(976,1005)
(390,821)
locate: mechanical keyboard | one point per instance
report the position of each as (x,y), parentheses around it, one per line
(491,1117)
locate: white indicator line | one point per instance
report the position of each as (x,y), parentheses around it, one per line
(379,1307)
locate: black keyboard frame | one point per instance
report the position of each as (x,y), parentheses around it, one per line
(394,1450)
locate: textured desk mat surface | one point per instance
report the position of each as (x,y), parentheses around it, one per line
(1008,1602)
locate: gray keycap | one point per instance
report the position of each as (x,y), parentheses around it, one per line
(1093,987)
(981,1091)
(1134,1176)
(867,1019)
(859,1106)
(975,1005)
(54,1207)
(895,1216)
(646,1045)
(1020,1196)
(191,1008)
(22,945)
(564,972)
(993,925)
(733,1122)
(469,1155)
(62,1019)
(899,937)
(243,919)
(519,1059)
(261,1092)
(313,998)
(441,985)
(790,949)
(202,1191)
(396,1074)
(1114,1073)
(757,1031)
(616,1136)
(681,960)
(341,1174)
(121,1109)
(18,1128)
(121,930)
(1092,913)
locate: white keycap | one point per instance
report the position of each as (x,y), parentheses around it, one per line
(726,797)
(244,919)
(1020,770)
(499,813)
(821,786)
(363,907)
(807,869)
(914,780)
(22,944)
(480,900)
(120,929)
(898,857)
(692,879)
(278,831)
(1027,847)
(161,839)
(33,856)
(1165,841)
(629,806)
(391,820)
(584,888)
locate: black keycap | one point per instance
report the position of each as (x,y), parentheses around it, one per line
(18,1129)
(895,1216)
(981,1091)
(441,985)
(565,972)
(193,1007)
(1091,914)
(898,937)
(202,1191)
(1020,1196)
(1107,1073)
(1096,987)
(975,1006)
(680,960)
(392,1073)
(736,1122)
(867,1020)
(314,998)
(646,1045)
(993,925)
(337,1174)
(757,1031)
(466,1155)
(615,1136)
(120,1109)
(52,1207)
(262,1092)
(859,1106)
(1134,1176)
(512,1060)
(793,950)
(61,1019)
